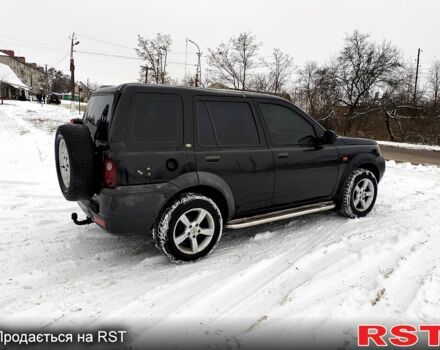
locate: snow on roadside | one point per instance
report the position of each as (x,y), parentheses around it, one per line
(410,146)
(293,279)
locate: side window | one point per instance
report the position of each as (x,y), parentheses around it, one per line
(285,126)
(205,130)
(156,119)
(233,123)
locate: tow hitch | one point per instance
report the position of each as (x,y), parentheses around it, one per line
(81,222)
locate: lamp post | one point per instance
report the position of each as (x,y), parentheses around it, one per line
(199,66)
(73,43)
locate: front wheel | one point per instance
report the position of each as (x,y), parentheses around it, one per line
(358,193)
(189,228)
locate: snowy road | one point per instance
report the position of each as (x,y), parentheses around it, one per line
(322,269)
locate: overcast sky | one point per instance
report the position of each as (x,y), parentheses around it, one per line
(307,29)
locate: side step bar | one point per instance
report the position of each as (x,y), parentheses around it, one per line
(279,215)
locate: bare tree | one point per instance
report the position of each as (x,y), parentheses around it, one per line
(93,85)
(155,53)
(261,82)
(232,62)
(308,83)
(280,67)
(361,66)
(189,80)
(319,92)
(434,80)
(405,88)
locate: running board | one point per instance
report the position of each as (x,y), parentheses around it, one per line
(279,215)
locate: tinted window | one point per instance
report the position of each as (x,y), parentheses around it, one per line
(285,126)
(204,126)
(233,123)
(156,119)
(98,107)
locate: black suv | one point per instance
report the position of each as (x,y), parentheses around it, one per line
(187,162)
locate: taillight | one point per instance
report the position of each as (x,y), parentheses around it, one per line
(109,173)
(75,121)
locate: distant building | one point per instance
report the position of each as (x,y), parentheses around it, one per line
(30,74)
(10,84)
(81,90)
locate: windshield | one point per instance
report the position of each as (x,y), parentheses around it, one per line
(98,108)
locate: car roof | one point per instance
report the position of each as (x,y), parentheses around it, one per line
(185,89)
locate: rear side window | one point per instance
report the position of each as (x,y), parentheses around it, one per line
(156,119)
(205,130)
(286,127)
(99,107)
(231,123)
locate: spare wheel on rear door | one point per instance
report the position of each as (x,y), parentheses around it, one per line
(74,158)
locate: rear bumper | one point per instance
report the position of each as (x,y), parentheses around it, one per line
(128,209)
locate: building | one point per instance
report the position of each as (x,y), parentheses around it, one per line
(10,84)
(30,74)
(81,91)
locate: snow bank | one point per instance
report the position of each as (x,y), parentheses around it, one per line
(410,146)
(293,279)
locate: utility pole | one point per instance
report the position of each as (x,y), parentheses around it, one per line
(199,64)
(79,99)
(73,43)
(146,69)
(417,76)
(47,82)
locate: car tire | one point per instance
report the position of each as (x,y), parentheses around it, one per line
(358,194)
(74,159)
(189,228)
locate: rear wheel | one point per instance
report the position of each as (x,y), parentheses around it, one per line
(358,193)
(189,228)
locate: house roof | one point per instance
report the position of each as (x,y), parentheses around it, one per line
(7,76)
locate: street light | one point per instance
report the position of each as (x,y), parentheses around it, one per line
(199,66)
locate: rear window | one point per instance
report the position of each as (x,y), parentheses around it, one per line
(99,106)
(204,126)
(156,119)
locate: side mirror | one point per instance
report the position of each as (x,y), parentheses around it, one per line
(329,137)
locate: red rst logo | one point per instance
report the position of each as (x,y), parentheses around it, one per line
(403,335)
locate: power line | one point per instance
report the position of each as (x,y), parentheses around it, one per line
(126,47)
(124,56)
(62,57)
(60,60)
(34,43)
(105,42)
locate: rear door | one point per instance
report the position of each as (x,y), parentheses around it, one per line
(303,171)
(231,144)
(153,149)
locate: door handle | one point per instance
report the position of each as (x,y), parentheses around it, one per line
(214,158)
(283,155)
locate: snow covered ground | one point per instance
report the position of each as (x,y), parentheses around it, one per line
(315,273)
